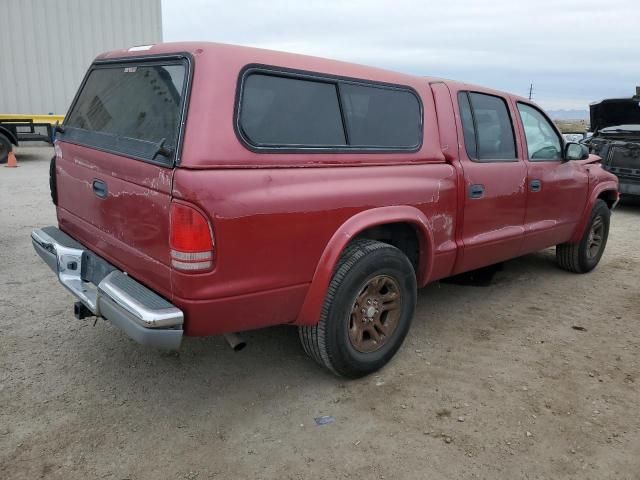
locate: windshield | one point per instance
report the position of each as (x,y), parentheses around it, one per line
(130,109)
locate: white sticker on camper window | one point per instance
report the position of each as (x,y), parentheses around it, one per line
(140,48)
(130,69)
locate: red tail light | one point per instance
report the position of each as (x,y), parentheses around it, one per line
(191,239)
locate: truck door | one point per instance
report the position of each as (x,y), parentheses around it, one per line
(556,189)
(494,177)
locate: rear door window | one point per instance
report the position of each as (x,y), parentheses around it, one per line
(487,116)
(130,109)
(468,128)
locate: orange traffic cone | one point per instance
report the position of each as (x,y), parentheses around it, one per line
(11,160)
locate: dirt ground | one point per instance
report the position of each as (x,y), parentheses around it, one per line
(492,382)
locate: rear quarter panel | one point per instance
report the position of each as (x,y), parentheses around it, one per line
(271,227)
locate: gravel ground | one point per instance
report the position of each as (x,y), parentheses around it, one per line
(492,382)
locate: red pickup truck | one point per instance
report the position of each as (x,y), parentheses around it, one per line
(206,189)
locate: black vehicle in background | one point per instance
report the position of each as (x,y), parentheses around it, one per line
(615,123)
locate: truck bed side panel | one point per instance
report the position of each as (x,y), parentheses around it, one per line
(271,227)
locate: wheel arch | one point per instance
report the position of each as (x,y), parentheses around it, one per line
(609,196)
(606,191)
(355,227)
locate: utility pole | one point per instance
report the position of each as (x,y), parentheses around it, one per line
(530,91)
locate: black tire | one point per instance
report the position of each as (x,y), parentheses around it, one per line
(583,256)
(362,264)
(53,190)
(5,147)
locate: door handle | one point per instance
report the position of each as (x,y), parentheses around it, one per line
(535,185)
(476,191)
(100,188)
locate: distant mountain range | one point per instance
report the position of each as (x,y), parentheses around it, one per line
(569,114)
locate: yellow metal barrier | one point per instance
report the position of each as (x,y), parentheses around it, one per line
(52,119)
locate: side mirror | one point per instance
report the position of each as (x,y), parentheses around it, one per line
(575,151)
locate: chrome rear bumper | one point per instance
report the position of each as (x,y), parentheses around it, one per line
(141,313)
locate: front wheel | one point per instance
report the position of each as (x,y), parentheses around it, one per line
(367,311)
(582,257)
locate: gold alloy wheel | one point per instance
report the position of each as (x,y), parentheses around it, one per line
(375,314)
(596,237)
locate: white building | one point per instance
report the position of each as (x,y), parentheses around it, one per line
(46,46)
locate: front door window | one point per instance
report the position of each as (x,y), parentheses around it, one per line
(543,142)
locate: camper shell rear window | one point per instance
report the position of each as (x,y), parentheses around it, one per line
(292,111)
(131,108)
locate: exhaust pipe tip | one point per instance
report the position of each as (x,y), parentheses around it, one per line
(235,341)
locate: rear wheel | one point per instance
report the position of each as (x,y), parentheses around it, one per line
(5,148)
(582,257)
(367,311)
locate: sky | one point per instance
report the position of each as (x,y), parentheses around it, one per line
(573,51)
